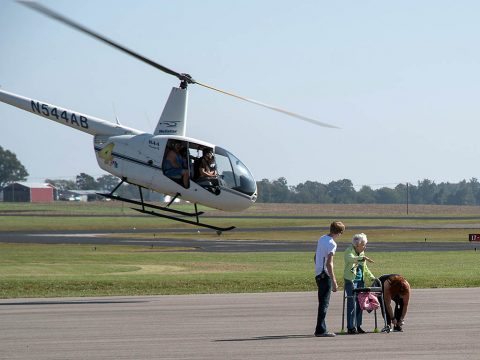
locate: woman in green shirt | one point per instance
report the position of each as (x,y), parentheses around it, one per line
(355,273)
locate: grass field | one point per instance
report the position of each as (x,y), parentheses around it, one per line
(82,270)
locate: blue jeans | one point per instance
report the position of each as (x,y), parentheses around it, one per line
(324,284)
(351,322)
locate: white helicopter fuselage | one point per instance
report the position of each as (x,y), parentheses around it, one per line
(139,158)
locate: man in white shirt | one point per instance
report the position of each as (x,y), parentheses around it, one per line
(325,276)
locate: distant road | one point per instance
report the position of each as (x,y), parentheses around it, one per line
(216,245)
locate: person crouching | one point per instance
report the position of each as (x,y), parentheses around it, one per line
(397,289)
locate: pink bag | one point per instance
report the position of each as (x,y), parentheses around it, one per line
(368,301)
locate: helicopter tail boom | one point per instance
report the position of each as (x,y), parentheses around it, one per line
(76,120)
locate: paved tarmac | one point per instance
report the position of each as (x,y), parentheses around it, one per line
(440,324)
(217,245)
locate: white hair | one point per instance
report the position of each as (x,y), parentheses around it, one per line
(359,239)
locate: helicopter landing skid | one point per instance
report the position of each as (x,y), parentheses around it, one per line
(143,205)
(219,230)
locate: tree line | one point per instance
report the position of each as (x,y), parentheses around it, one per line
(278,191)
(343,192)
(312,192)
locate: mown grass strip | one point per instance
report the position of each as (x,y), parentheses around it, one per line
(81,270)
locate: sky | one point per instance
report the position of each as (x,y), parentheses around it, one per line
(401,80)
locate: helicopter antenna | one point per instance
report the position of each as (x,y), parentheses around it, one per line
(115,113)
(185,79)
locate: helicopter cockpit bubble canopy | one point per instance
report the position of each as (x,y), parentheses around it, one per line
(233,173)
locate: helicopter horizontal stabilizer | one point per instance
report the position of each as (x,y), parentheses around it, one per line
(70,118)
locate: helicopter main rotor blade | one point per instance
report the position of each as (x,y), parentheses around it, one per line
(271,107)
(54,15)
(185,78)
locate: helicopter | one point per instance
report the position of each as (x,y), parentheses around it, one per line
(166,161)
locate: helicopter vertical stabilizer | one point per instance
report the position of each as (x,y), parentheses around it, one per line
(173,120)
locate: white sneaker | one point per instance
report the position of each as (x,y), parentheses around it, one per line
(386,329)
(326,334)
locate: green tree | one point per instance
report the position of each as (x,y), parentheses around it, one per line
(11,169)
(107,182)
(366,195)
(475,185)
(342,191)
(61,184)
(386,195)
(276,191)
(85,182)
(464,194)
(426,191)
(263,190)
(280,190)
(311,192)
(402,193)
(444,190)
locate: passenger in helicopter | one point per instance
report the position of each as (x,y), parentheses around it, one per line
(174,163)
(207,171)
(207,168)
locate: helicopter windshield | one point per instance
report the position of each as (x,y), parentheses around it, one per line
(233,173)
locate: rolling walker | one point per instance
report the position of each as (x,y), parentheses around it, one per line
(377,290)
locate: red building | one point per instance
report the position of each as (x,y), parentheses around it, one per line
(28,192)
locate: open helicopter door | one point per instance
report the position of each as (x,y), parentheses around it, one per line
(173,120)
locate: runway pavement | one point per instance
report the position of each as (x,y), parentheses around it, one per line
(440,324)
(217,245)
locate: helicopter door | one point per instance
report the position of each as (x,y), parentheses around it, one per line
(175,162)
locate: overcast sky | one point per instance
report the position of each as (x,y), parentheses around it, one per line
(401,80)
